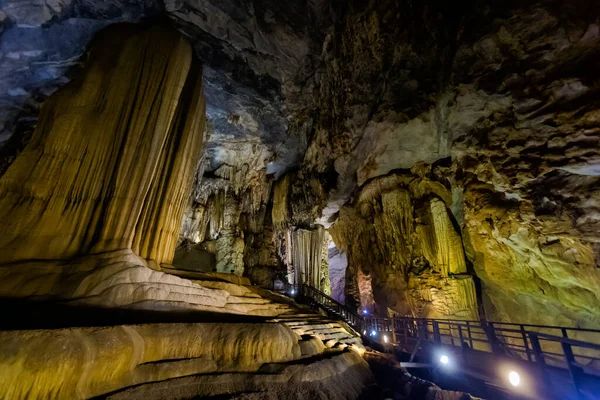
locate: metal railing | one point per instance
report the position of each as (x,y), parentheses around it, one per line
(574,349)
(551,345)
(333,307)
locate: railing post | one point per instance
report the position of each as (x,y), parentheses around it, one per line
(537,351)
(436,332)
(422,328)
(463,345)
(526,344)
(491,335)
(469,334)
(570,359)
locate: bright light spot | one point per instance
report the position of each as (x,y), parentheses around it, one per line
(364,332)
(293,292)
(444,359)
(385,338)
(365,312)
(373,333)
(514,378)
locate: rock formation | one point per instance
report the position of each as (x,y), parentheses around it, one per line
(103,183)
(426,158)
(338,263)
(499,101)
(185,360)
(401,234)
(112,156)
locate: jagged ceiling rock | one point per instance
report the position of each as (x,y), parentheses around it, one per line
(252,53)
(41,41)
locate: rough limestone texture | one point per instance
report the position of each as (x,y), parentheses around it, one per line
(504,98)
(400,234)
(503,95)
(531,207)
(304,354)
(80,363)
(340,377)
(122,279)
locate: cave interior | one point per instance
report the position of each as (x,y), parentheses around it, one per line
(172,173)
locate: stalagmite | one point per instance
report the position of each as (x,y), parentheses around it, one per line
(325,282)
(230,245)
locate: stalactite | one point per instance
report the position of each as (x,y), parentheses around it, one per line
(325,283)
(280,202)
(450,256)
(395,222)
(217,214)
(307,251)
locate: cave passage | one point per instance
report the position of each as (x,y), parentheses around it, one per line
(260,199)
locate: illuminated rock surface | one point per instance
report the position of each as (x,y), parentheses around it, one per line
(449,150)
(153,359)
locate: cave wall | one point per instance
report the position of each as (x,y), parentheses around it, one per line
(338,263)
(405,249)
(229,215)
(525,136)
(505,93)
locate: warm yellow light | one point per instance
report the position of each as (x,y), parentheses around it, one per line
(385,338)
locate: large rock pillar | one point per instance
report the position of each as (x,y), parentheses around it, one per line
(111,162)
(98,194)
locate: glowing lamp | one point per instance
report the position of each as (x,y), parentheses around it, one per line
(444,359)
(514,378)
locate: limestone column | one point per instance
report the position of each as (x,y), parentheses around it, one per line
(230,244)
(111,162)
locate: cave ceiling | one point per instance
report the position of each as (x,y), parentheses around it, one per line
(483,114)
(253,52)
